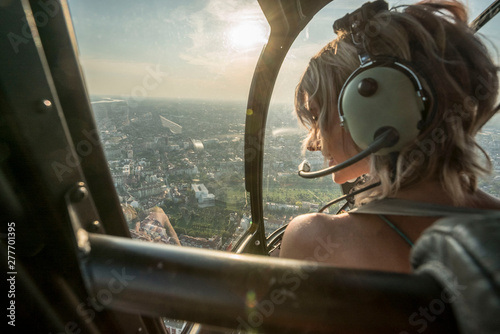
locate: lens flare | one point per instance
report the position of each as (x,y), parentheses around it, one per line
(248,35)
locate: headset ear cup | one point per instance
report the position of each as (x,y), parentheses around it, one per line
(378,97)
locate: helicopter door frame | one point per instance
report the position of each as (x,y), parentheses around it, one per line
(49,146)
(68,258)
(286,19)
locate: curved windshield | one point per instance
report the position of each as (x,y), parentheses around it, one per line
(285,194)
(168,82)
(489,136)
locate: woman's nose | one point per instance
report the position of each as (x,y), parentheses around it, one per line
(314,145)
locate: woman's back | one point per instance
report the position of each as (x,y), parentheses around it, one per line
(368,241)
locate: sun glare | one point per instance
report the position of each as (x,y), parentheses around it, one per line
(247,35)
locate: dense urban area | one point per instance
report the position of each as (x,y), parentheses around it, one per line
(179,173)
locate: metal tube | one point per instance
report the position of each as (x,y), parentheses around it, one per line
(255,292)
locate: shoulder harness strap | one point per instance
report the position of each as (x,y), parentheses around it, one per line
(401,207)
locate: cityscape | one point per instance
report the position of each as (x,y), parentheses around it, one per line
(178,168)
(185,160)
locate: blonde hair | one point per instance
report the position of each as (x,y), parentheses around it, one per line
(435,38)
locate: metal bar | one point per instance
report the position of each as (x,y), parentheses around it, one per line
(486,16)
(286,19)
(255,292)
(59,44)
(39,164)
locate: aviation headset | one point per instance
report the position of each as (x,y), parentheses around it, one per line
(382,105)
(383,93)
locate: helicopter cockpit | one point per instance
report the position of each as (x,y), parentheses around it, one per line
(148,170)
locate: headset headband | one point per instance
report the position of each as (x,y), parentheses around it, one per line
(356,24)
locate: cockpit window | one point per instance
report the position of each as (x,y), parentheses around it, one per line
(489,137)
(285,194)
(168,82)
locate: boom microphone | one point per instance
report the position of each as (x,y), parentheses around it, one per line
(388,138)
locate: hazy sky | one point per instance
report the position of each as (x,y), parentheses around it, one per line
(204,49)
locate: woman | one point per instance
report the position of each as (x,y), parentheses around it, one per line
(441,166)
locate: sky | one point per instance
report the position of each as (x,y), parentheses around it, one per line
(197,49)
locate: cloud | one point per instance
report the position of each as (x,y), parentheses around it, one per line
(115,77)
(210,29)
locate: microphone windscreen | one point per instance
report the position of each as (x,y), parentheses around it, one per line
(305,166)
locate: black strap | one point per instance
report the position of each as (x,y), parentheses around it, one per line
(401,207)
(397,230)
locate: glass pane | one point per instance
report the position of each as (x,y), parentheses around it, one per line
(286,194)
(476,7)
(168,82)
(489,137)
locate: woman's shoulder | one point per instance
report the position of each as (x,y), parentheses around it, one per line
(312,224)
(315,236)
(346,240)
(320,220)
(482,200)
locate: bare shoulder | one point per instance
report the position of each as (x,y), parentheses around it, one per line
(314,236)
(348,241)
(483,200)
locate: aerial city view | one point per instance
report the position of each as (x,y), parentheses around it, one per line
(163,88)
(178,166)
(163,156)
(179,173)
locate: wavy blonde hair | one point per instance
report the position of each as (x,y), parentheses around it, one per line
(435,38)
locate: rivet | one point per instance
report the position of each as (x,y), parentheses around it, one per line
(45,105)
(94,227)
(79,193)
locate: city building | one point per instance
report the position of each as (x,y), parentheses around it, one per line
(201,193)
